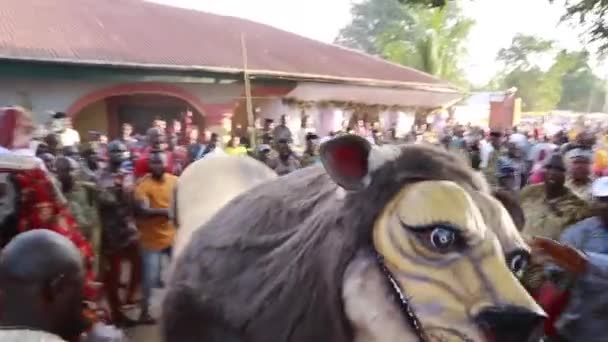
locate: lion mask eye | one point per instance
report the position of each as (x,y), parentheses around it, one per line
(442,238)
(518,262)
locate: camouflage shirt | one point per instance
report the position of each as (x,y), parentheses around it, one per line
(583,191)
(116,212)
(548,218)
(490,170)
(82,204)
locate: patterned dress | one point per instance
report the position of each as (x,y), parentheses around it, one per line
(43,206)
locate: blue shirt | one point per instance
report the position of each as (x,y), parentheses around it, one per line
(589,235)
(586,316)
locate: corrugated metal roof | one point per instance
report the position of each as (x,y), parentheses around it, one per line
(138,33)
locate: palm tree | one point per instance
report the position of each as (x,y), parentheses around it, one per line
(431,40)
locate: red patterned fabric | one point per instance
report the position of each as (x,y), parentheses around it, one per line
(554,302)
(41,206)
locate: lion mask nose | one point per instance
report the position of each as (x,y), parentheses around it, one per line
(511,324)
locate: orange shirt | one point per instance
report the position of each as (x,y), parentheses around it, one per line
(156,232)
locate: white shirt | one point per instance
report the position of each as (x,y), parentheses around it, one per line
(486,150)
(69,137)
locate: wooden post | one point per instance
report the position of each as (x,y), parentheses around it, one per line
(250,116)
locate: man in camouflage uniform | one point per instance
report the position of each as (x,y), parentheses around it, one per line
(311,153)
(579,178)
(550,208)
(82,202)
(489,163)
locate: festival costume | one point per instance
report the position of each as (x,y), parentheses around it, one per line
(382,244)
(40,204)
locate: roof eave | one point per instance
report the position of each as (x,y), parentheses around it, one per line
(253,73)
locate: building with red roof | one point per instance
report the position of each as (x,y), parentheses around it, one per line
(113,61)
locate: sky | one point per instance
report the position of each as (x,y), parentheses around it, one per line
(497,22)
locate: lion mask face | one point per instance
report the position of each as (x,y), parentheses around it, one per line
(451,255)
(450,265)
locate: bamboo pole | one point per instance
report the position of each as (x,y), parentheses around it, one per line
(248,99)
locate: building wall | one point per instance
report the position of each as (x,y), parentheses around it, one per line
(92,118)
(58,95)
(327,119)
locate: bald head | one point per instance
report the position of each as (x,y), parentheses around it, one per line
(41,284)
(39,255)
(155,138)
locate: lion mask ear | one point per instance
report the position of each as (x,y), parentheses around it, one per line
(346,160)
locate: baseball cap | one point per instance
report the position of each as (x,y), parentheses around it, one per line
(579,154)
(600,187)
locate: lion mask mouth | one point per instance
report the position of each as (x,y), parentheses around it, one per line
(494,332)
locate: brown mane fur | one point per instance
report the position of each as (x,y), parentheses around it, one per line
(269,265)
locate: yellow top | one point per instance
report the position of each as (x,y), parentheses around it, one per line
(236,151)
(156,233)
(600,159)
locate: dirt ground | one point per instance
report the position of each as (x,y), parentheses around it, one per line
(148,333)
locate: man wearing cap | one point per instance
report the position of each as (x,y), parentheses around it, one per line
(264,152)
(579,172)
(549,209)
(311,151)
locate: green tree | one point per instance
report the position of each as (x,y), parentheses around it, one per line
(432,40)
(523,48)
(568,84)
(370,19)
(538,90)
(591,13)
(582,90)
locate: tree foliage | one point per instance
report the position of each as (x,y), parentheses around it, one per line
(590,13)
(568,84)
(370,20)
(582,90)
(432,40)
(523,48)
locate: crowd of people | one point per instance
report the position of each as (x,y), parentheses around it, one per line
(119,195)
(562,188)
